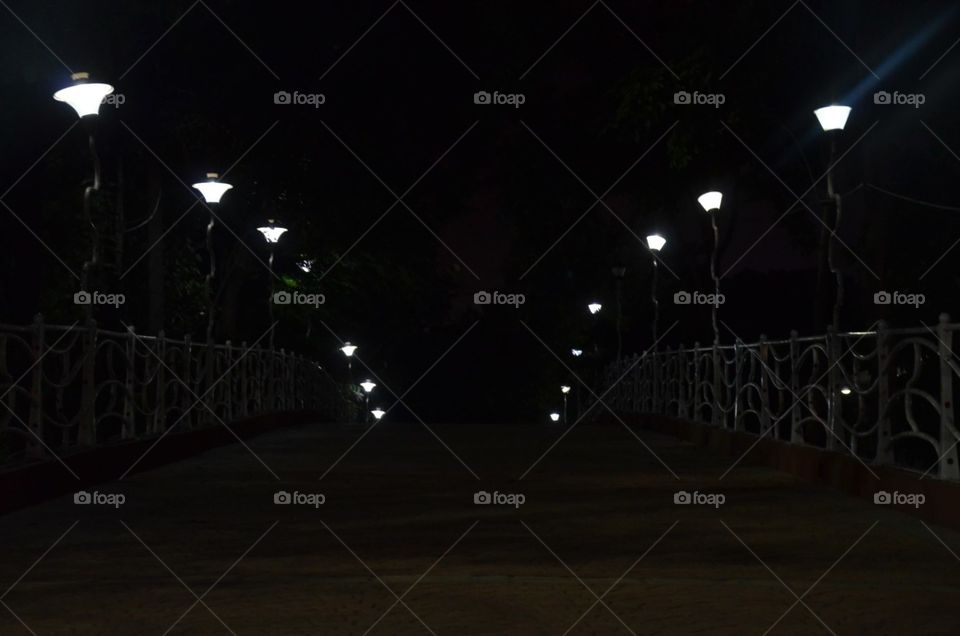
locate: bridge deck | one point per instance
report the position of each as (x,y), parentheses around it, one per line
(399,518)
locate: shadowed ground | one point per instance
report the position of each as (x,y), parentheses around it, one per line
(399,515)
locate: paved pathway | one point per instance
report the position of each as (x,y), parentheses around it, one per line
(598,546)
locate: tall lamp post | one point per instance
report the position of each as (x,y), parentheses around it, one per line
(368,388)
(565,389)
(348,350)
(212,191)
(711,203)
(272,233)
(619,271)
(85,98)
(655,243)
(833,119)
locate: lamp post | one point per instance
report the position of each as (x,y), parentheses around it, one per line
(655,243)
(594,308)
(85,98)
(348,350)
(554,417)
(368,388)
(833,119)
(576,353)
(272,233)
(619,271)
(565,390)
(378,413)
(212,190)
(306,265)
(711,203)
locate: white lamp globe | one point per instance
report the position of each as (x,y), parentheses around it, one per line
(378,413)
(832,117)
(368,386)
(212,189)
(84,96)
(564,389)
(594,308)
(710,200)
(656,242)
(576,352)
(554,417)
(348,349)
(306,265)
(845,390)
(272,232)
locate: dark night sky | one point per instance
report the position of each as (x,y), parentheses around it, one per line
(398,98)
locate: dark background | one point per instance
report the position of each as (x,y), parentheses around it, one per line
(199,90)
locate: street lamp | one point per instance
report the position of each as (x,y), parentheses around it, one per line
(711,202)
(348,350)
(655,243)
(272,234)
(306,265)
(594,308)
(212,190)
(554,417)
(85,98)
(576,353)
(833,119)
(378,413)
(564,389)
(367,387)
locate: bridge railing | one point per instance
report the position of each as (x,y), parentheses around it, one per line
(885,396)
(69,387)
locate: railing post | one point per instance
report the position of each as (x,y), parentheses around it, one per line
(33,448)
(228,380)
(737,385)
(188,399)
(697,390)
(948,437)
(765,387)
(716,412)
(682,410)
(87,427)
(129,429)
(796,434)
(244,381)
(884,453)
(159,420)
(833,389)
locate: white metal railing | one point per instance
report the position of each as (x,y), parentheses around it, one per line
(66,387)
(885,396)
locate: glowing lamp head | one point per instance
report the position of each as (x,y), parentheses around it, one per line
(845,390)
(554,417)
(368,386)
(348,349)
(84,96)
(212,189)
(710,200)
(378,413)
(832,117)
(306,265)
(656,242)
(576,352)
(594,308)
(564,389)
(272,232)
